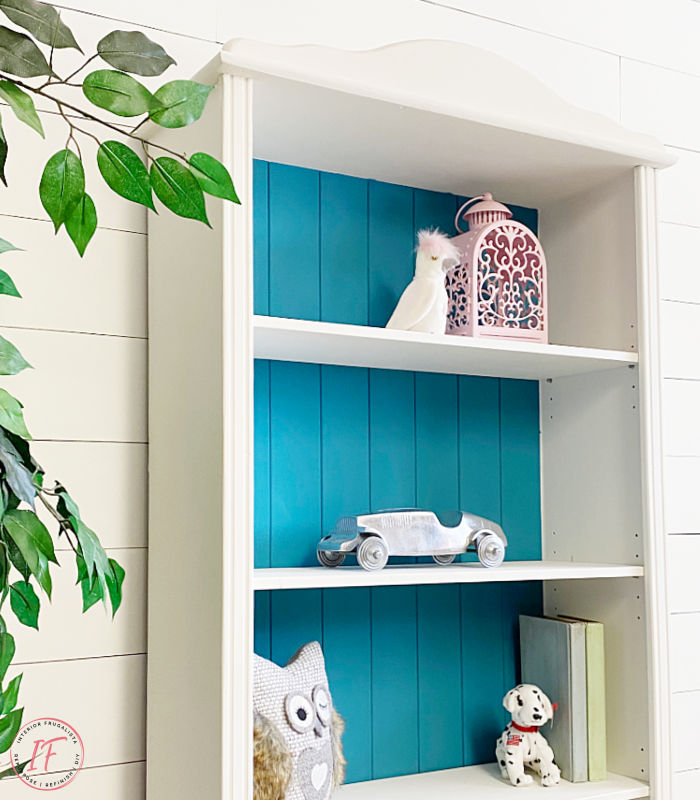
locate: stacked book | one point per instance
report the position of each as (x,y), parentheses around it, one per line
(565,657)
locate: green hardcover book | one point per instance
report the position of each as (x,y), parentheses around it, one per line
(595,701)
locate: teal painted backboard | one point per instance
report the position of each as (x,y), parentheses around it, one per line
(417,672)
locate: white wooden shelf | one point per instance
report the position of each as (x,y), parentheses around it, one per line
(311,342)
(415,574)
(484,782)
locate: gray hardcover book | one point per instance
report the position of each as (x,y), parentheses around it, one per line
(553,657)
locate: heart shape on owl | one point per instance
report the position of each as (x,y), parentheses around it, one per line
(318,776)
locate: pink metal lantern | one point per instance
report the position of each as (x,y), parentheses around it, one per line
(500,287)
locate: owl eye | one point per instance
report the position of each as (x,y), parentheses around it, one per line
(300,712)
(322,701)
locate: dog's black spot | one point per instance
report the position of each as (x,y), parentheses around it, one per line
(511,763)
(517,780)
(503,763)
(520,701)
(537,761)
(535,708)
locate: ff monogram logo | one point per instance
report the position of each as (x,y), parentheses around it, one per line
(47,754)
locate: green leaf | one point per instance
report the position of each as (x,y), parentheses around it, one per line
(25,604)
(31,527)
(182,102)
(131,51)
(10,695)
(11,360)
(20,56)
(93,592)
(213,177)
(31,552)
(5,246)
(9,726)
(125,173)
(7,652)
(17,476)
(7,285)
(22,104)
(41,20)
(62,185)
(11,417)
(12,772)
(17,560)
(82,223)
(177,188)
(119,93)
(3,153)
(115,579)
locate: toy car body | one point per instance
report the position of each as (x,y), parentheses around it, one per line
(412,532)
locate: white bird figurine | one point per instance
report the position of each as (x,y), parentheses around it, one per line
(423,304)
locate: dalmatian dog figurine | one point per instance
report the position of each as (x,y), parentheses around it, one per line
(521,744)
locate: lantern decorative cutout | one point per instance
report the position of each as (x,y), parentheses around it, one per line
(500,287)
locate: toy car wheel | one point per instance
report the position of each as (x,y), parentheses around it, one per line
(448,559)
(490,550)
(330,558)
(372,554)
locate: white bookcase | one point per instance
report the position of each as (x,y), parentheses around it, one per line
(405,114)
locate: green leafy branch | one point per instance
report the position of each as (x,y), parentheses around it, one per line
(179,181)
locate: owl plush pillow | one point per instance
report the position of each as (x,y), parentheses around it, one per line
(297,749)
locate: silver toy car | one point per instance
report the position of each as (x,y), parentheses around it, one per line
(412,532)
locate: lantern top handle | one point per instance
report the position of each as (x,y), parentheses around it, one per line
(488,210)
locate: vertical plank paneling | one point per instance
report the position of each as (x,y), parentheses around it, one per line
(294,242)
(261,377)
(295,471)
(520,468)
(391,243)
(347,648)
(418,672)
(261,238)
(482,670)
(395,737)
(295,619)
(344,249)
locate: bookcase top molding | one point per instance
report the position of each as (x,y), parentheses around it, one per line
(447,78)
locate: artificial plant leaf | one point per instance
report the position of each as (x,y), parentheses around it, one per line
(6,246)
(4,568)
(10,695)
(115,579)
(131,51)
(25,604)
(17,559)
(22,104)
(82,223)
(177,188)
(20,56)
(7,652)
(213,177)
(7,285)
(93,591)
(11,417)
(11,360)
(17,476)
(41,20)
(26,525)
(9,726)
(181,103)
(125,173)
(21,445)
(35,558)
(3,153)
(119,93)
(62,185)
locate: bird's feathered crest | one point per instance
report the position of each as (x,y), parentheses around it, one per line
(435,243)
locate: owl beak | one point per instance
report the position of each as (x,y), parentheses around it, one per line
(318,727)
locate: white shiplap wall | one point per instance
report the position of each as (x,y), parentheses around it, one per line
(83,323)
